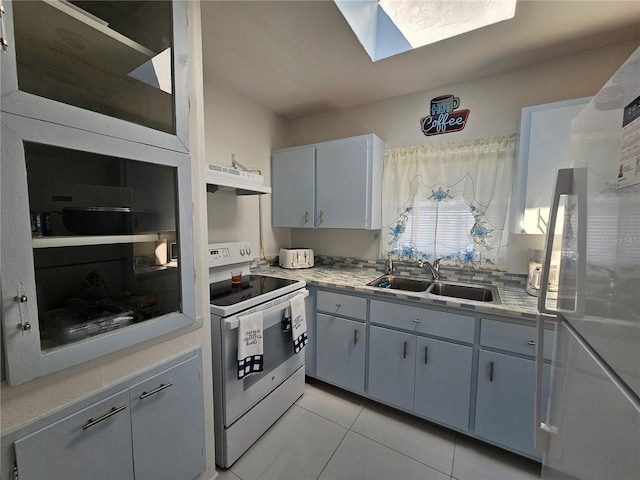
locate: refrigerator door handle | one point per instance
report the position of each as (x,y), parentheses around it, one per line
(564,186)
(541,431)
(570,181)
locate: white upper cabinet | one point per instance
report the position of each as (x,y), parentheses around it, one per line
(97,229)
(544,148)
(293,187)
(68,60)
(336,184)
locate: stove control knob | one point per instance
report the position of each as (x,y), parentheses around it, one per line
(248,250)
(242,251)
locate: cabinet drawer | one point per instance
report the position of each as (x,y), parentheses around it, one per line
(94,442)
(344,305)
(514,337)
(423,320)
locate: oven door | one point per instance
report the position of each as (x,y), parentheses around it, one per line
(280,361)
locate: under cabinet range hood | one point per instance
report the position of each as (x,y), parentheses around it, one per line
(226,178)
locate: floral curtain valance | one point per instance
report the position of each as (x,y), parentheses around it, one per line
(448,201)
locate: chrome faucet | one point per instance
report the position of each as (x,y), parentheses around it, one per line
(388,266)
(434,267)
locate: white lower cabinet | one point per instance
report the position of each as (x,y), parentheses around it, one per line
(340,357)
(429,376)
(435,364)
(152,429)
(392,366)
(167,424)
(310,349)
(506,376)
(92,443)
(504,406)
(341,339)
(443,381)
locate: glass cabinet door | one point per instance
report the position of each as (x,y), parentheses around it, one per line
(115,58)
(96,246)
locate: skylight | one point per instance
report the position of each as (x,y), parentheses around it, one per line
(390,27)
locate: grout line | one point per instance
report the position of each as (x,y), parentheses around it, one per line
(453,457)
(401,453)
(332,453)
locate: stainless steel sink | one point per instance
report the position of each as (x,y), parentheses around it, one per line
(398,282)
(478,293)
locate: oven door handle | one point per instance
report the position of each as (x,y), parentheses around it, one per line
(233,322)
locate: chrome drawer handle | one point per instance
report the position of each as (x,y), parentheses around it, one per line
(491,371)
(355,337)
(425,355)
(417,320)
(152,392)
(404,350)
(93,421)
(532,343)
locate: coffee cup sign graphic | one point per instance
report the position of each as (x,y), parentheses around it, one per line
(443,116)
(444,104)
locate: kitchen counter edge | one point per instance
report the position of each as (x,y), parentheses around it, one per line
(516,302)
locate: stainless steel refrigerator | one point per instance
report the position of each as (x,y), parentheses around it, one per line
(590,428)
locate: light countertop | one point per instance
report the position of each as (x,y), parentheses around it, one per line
(515,301)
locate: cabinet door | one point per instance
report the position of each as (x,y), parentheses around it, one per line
(76,280)
(343,183)
(167,424)
(108,60)
(392,366)
(340,351)
(443,381)
(504,409)
(293,187)
(92,443)
(544,146)
(310,349)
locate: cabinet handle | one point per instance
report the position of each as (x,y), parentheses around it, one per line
(404,350)
(156,390)
(21,299)
(532,343)
(321,217)
(425,355)
(306,217)
(355,336)
(93,421)
(491,371)
(417,320)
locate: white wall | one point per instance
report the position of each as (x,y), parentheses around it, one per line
(236,125)
(495,103)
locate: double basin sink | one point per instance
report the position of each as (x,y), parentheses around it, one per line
(460,291)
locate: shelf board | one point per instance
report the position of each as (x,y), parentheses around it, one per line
(72,49)
(81,241)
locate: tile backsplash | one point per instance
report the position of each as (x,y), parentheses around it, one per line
(488,277)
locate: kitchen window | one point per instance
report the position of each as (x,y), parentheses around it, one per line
(448,201)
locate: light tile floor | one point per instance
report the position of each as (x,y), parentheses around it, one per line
(332,434)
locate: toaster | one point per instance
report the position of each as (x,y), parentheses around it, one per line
(296,258)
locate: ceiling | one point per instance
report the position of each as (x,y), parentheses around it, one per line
(301,58)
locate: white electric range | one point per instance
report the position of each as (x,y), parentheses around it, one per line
(244,409)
